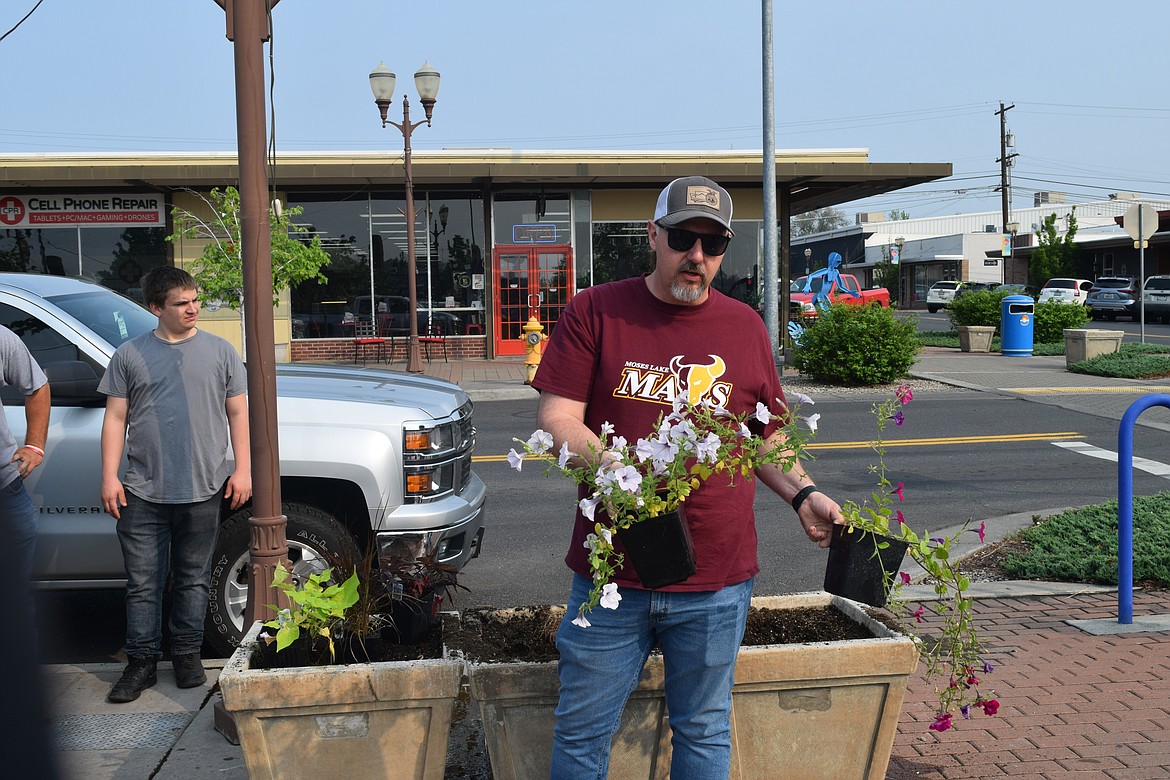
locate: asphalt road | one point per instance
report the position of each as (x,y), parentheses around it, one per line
(962,456)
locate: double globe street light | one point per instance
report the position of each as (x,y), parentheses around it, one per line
(426,81)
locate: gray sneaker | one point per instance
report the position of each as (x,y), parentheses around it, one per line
(188,670)
(137,677)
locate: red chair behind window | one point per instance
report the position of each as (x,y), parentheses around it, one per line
(365,338)
(435,336)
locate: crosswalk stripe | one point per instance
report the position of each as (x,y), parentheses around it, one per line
(1150,466)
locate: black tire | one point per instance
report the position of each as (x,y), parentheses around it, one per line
(932,309)
(315,538)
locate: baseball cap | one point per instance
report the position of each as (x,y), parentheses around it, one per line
(693,197)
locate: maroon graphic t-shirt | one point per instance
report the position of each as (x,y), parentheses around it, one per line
(626,354)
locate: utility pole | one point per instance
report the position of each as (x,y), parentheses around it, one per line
(247,29)
(1005,161)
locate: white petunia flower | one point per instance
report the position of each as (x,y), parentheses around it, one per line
(588,505)
(811,421)
(581,621)
(707,448)
(563,460)
(802,399)
(610,598)
(628,479)
(762,413)
(618,443)
(744,431)
(607,535)
(606,429)
(540,441)
(515,459)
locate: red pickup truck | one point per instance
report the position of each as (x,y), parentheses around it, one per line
(846,290)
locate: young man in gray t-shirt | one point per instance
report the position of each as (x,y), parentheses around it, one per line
(174,399)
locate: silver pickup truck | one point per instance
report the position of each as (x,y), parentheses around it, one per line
(344,455)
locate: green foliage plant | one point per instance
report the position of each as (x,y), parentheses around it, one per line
(1052,317)
(1080,545)
(857,345)
(219,271)
(982,308)
(955,659)
(1055,254)
(1132,361)
(317,607)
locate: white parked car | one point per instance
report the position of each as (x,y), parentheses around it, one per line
(1065,290)
(940,294)
(1156,298)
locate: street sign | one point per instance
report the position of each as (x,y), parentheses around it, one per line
(1140,221)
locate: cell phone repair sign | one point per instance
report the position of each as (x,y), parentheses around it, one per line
(101,210)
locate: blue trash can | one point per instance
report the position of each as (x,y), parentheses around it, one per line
(1017,317)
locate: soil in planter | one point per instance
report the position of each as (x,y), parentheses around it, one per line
(369,649)
(530,634)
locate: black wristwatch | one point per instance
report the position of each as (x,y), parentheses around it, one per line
(799,498)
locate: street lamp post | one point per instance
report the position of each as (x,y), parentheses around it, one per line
(426,81)
(807,260)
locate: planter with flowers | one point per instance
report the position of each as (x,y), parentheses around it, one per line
(302,708)
(819,707)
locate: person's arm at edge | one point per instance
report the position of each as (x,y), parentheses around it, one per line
(113,444)
(239,484)
(564,418)
(36,415)
(818,513)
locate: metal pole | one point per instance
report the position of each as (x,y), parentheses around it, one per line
(413,357)
(769,274)
(1142,268)
(248,27)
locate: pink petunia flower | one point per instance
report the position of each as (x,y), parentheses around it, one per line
(942,722)
(900,517)
(905,394)
(905,577)
(898,492)
(982,531)
(918,613)
(990,707)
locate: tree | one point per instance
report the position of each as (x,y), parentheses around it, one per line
(818,221)
(1055,254)
(219,271)
(897,214)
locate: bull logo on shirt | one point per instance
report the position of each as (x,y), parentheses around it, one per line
(698,378)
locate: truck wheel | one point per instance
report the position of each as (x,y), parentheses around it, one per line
(315,540)
(932,309)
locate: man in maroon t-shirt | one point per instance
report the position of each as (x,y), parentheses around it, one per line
(619,354)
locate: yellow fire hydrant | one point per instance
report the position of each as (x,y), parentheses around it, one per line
(534,339)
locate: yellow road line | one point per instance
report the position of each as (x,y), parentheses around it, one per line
(932,442)
(1054,390)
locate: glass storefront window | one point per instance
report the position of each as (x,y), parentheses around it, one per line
(114,257)
(366,239)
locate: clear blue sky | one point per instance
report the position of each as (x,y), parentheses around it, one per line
(910,81)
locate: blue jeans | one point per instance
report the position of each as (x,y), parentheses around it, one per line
(699,635)
(157,539)
(19,529)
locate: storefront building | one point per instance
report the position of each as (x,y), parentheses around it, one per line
(500,235)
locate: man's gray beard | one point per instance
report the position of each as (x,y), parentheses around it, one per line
(686,293)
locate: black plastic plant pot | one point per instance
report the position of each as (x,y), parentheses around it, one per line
(660,549)
(855,572)
(412,618)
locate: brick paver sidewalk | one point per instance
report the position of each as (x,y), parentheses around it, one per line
(1073,705)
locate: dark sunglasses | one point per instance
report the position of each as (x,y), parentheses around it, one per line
(682,240)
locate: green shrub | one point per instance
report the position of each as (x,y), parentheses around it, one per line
(1052,317)
(978,308)
(857,345)
(1133,361)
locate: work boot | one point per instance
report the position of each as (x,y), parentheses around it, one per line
(137,677)
(188,670)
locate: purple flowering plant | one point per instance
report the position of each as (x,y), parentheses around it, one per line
(630,482)
(955,658)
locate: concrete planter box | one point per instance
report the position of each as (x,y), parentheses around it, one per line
(1084,343)
(809,711)
(975,338)
(386,720)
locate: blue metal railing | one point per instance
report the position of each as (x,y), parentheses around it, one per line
(1125,503)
